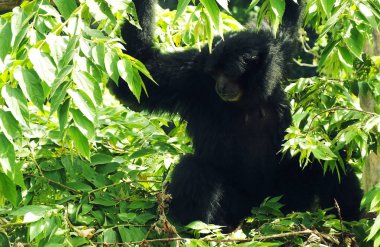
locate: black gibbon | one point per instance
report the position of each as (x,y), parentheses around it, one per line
(237,113)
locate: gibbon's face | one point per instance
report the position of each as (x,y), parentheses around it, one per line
(239,65)
(230,81)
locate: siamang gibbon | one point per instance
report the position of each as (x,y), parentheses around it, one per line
(237,113)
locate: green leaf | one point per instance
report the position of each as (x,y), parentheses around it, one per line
(375,228)
(69,52)
(214,12)
(253,4)
(4,241)
(87,83)
(43,65)
(30,85)
(85,125)
(140,204)
(100,158)
(327,52)
(181,6)
(32,213)
(109,236)
(18,30)
(98,54)
(63,115)
(103,201)
(6,39)
(58,97)
(354,41)
(110,62)
(84,103)
(127,72)
(142,152)
(100,10)
(141,67)
(208,29)
(132,233)
(366,11)
(8,189)
(17,104)
(7,157)
(9,125)
(66,7)
(224,4)
(327,6)
(197,225)
(323,152)
(80,142)
(345,57)
(36,228)
(278,8)
(127,216)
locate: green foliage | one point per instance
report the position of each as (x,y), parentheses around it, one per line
(78,169)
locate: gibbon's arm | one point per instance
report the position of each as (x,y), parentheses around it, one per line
(179,75)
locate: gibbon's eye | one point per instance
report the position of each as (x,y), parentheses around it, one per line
(251,59)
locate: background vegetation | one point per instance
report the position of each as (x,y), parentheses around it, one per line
(78,169)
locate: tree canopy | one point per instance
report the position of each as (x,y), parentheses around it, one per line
(79,169)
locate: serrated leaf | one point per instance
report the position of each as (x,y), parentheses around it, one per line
(43,65)
(84,103)
(36,228)
(62,113)
(57,46)
(8,189)
(9,125)
(253,4)
(327,6)
(127,73)
(17,25)
(366,11)
(181,6)
(323,152)
(345,57)
(224,4)
(4,241)
(85,125)
(278,7)
(110,62)
(70,51)
(375,228)
(214,12)
(7,156)
(100,10)
(31,213)
(66,7)
(97,53)
(58,97)
(355,42)
(17,104)
(197,225)
(327,52)
(80,142)
(87,83)
(103,201)
(30,85)
(6,39)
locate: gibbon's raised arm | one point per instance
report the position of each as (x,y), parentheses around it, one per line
(179,75)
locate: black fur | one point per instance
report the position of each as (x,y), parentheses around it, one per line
(237,113)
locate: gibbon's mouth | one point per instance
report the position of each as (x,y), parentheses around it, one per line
(230,97)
